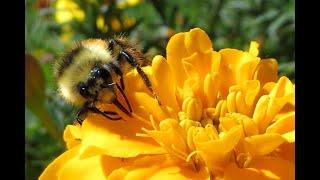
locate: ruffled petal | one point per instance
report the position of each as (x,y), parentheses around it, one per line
(267,71)
(283,124)
(231,120)
(95,167)
(84,169)
(218,156)
(236,66)
(243,97)
(197,41)
(176,50)
(171,136)
(158,168)
(53,169)
(211,89)
(264,168)
(287,151)
(166,86)
(72,135)
(183,45)
(254,48)
(259,145)
(112,138)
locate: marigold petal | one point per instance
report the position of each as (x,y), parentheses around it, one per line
(215,61)
(83,169)
(184,45)
(289,136)
(284,87)
(176,50)
(259,145)
(211,89)
(151,106)
(281,95)
(219,155)
(246,69)
(95,167)
(197,41)
(191,88)
(267,71)
(170,133)
(163,75)
(190,69)
(200,62)
(264,168)
(192,108)
(283,124)
(112,138)
(287,151)
(243,97)
(254,48)
(231,120)
(267,88)
(260,113)
(53,169)
(72,135)
(134,83)
(231,103)
(236,66)
(157,167)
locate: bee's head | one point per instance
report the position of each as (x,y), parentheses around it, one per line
(98,86)
(80,73)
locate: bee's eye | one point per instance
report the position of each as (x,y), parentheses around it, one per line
(100,73)
(83,90)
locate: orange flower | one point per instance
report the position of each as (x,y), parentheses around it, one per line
(224,115)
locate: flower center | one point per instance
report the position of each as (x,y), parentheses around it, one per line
(194,114)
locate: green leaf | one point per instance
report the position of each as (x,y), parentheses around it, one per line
(35,94)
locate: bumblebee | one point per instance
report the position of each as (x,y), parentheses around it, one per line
(92,71)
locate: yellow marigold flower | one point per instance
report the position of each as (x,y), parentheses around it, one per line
(121,4)
(224,115)
(66,10)
(100,23)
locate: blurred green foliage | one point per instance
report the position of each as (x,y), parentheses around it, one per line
(52,26)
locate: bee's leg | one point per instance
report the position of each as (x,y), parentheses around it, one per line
(141,73)
(125,97)
(79,116)
(104,113)
(118,71)
(119,105)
